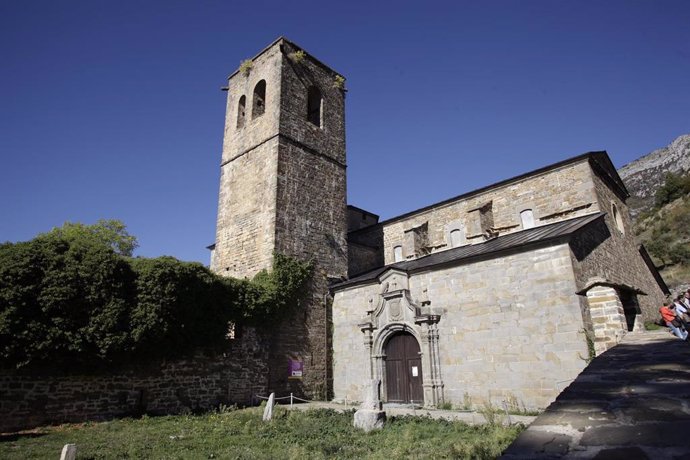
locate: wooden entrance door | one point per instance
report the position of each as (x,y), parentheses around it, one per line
(403,369)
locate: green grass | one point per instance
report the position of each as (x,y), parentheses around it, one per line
(241,434)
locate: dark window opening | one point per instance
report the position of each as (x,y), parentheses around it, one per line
(240,111)
(259,103)
(314,106)
(631,307)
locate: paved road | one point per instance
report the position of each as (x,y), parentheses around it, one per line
(632,402)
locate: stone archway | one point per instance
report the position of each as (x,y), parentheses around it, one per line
(393,312)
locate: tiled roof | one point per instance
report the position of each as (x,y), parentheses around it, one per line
(493,247)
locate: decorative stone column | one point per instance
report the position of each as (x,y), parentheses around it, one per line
(431,362)
(392,311)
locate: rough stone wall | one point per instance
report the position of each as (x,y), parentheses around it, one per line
(169,387)
(311,226)
(608,317)
(245,235)
(283,190)
(604,252)
(362,258)
(558,194)
(329,139)
(512,329)
(246,201)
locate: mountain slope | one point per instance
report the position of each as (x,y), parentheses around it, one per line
(644,176)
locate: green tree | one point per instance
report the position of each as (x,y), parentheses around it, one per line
(180,306)
(109,232)
(70,296)
(63,300)
(674,187)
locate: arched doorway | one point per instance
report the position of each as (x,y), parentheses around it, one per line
(403,369)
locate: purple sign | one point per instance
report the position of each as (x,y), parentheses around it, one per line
(295,369)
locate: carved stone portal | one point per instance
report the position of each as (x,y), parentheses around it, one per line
(393,311)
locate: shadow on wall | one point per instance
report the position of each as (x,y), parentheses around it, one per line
(586,242)
(365,250)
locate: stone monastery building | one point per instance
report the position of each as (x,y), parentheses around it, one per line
(499,294)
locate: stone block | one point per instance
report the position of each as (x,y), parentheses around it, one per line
(369,420)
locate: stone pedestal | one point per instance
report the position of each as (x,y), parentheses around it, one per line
(370,416)
(369,420)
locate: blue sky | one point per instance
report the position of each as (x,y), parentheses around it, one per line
(114,110)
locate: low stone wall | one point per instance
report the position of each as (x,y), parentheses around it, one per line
(168,387)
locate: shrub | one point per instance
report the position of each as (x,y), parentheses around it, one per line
(180,306)
(63,299)
(69,296)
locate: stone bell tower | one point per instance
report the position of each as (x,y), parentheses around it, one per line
(282,189)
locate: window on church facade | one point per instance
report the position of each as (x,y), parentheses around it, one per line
(617,218)
(240,111)
(397,254)
(314,101)
(259,102)
(456,238)
(527,218)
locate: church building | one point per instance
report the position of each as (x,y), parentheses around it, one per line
(501,294)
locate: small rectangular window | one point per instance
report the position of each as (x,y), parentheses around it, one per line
(397,254)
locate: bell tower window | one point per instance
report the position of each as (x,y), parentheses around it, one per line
(314,102)
(240,111)
(259,102)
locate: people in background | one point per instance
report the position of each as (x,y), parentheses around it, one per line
(669,316)
(681,311)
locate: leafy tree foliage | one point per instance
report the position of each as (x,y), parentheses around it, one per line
(665,230)
(107,232)
(179,306)
(675,186)
(270,295)
(62,298)
(70,296)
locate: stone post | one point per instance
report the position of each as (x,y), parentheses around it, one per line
(370,416)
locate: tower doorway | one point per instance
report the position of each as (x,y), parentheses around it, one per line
(403,369)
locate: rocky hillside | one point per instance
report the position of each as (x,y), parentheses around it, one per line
(645,175)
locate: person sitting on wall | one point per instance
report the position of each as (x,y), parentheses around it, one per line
(669,317)
(681,311)
(686,299)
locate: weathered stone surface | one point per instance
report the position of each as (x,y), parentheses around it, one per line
(536,443)
(621,453)
(372,395)
(69,452)
(283,189)
(369,420)
(610,411)
(268,410)
(522,319)
(644,176)
(167,387)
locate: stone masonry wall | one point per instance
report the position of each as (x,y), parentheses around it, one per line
(249,163)
(511,329)
(310,226)
(608,318)
(170,387)
(245,232)
(605,252)
(554,195)
(311,217)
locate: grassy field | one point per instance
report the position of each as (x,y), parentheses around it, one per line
(241,434)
